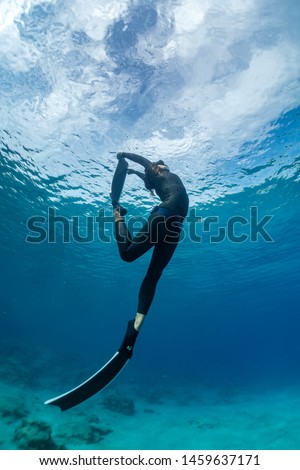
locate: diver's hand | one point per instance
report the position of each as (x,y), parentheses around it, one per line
(130,171)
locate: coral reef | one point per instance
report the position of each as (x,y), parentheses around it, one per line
(34,435)
(89,432)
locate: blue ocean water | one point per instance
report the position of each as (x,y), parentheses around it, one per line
(214,91)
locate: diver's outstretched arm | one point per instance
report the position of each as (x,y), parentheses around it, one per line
(137,173)
(136,158)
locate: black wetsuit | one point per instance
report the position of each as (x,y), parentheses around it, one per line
(162,229)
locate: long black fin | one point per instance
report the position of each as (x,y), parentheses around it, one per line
(100,379)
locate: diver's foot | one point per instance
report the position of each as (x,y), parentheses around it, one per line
(118,217)
(139,320)
(129,338)
(117,207)
(121,209)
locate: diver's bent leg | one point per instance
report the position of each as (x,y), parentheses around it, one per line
(123,236)
(162,254)
(132,248)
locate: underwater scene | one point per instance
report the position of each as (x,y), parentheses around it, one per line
(212,89)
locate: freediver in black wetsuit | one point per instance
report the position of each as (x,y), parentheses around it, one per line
(161,231)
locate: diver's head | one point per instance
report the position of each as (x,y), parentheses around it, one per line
(159,166)
(156,168)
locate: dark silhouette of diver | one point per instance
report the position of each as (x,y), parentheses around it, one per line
(161,231)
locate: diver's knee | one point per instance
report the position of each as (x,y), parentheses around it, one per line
(127,257)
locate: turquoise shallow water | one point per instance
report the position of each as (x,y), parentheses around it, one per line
(214,91)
